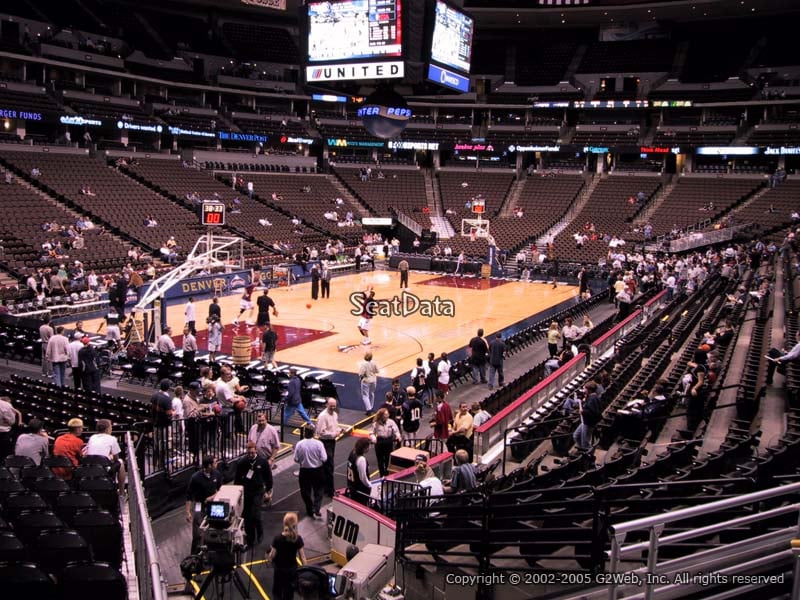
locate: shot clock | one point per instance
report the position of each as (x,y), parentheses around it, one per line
(212,213)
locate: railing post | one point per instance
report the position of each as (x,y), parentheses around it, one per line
(652,559)
(613,563)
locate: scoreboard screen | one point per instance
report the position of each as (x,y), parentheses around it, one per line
(212,213)
(354,30)
(451,45)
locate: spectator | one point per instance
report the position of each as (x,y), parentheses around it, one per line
(463,475)
(33,444)
(294,402)
(89,366)
(359,487)
(479,414)
(497,350)
(385,435)
(104,444)
(591,412)
(442,417)
(368,376)
(310,454)
(58,356)
(286,549)
(265,437)
(553,335)
(71,445)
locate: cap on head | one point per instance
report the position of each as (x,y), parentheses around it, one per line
(421,458)
(85,340)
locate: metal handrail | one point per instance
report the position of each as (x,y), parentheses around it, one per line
(655,524)
(148,570)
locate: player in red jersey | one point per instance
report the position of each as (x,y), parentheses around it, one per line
(246,303)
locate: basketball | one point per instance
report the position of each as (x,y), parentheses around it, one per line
(239,405)
(308,305)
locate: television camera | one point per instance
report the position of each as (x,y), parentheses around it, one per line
(222,542)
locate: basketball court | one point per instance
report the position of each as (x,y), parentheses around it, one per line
(312,337)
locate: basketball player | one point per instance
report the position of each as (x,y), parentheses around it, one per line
(367,312)
(246,304)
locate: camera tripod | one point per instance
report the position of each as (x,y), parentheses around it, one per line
(222,573)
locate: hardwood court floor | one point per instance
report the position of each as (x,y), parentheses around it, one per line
(315,334)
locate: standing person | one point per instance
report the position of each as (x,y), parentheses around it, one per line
(459,264)
(315,277)
(45,333)
(246,304)
(461,436)
(403,267)
(479,414)
(214,310)
(570,333)
(264,303)
(310,454)
(478,349)
(58,356)
(325,280)
(432,378)
(411,413)
(269,343)
(265,437)
(443,370)
(398,394)
(113,333)
(553,335)
(368,376)
(591,412)
(294,401)
(385,435)
(419,378)
(89,366)
(357,257)
(255,475)
(33,444)
(203,486)
(698,390)
(165,346)
(161,408)
(583,283)
(367,312)
(359,487)
(214,337)
(286,548)
(328,431)
(497,349)
(189,347)
(442,417)
(189,315)
(77,375)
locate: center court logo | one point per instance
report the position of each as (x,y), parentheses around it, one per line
(404,305)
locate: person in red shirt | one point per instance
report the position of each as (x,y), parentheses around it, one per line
(70,445)
(246,304)
(442,417)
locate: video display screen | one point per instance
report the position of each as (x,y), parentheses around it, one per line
(354,30)
(451,44)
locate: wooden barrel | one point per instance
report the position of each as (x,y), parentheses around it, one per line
(241,349)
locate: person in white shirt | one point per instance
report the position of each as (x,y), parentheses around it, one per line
(189,317)
(77,375)
(443,370)
(328,431)
(103,443)
(426,478)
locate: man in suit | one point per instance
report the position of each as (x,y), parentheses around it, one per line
(315,277)
(325,278)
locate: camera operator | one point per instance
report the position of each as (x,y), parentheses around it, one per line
(255,475)
(202,487)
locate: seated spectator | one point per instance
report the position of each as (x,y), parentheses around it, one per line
(35,173)
(104,444)
(463,475)
(33,444)
(150,222)
(70,445)
(264,223)
(518,213)
(9,177)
